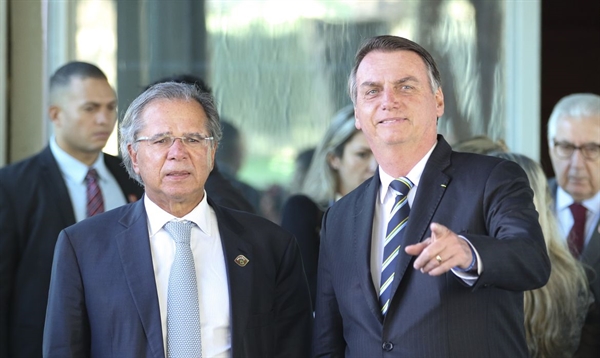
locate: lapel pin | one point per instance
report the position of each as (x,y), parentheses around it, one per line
(443,185)
(241,260)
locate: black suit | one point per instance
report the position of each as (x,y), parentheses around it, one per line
(103,282)
(34,207)
(485,199)
(302,217)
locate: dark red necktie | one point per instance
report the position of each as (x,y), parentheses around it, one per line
(95,203)
(577,234)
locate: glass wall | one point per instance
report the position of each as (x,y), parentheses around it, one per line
(278,69)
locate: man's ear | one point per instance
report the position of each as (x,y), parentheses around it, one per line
(439,101)
(356,121)
(133,156)
(54,113)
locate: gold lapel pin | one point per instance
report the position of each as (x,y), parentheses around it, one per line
(443,185)
(241,260)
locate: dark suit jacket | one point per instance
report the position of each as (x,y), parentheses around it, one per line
(590,257)
(103,301)
(302,217)
(489,201)
(34,207)
(221,190)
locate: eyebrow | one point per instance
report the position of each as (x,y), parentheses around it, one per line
(169,133)
(397,82)
(98,104)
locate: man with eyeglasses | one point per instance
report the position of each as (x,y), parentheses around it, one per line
(574,141)
(67,181)
(174,274)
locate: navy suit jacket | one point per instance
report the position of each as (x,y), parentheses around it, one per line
(103,300)
(485,199)
(34,207)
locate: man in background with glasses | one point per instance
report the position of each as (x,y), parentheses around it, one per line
(175,274)
(574,140)
(68,181)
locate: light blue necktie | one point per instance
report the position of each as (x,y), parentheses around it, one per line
(393,239)
(183,313)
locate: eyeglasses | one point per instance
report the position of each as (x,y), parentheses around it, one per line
(565,150)
(166,141)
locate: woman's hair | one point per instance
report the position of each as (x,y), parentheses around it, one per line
(480,144)
(551,311)
(321,181)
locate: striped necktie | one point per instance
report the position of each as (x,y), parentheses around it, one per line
(95,202)
(183,309)
(393,239)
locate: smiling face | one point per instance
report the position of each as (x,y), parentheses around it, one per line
(173,177)
(356,164)
(395,106)
(84,114)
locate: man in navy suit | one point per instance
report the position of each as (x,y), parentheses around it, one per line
(45,193)
(472,244)
(574,146)
(110,292)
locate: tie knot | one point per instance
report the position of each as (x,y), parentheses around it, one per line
(402,185)
(578,210)
(92,175)
(180,231)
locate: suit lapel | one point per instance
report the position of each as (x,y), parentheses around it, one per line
(239,273)
(54,184)
(362,217)
(134,247)
(431,189)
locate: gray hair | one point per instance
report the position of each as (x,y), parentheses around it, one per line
(321,179)
(133,122)
(577,105)
(388,43)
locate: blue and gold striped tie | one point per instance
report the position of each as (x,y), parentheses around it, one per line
(393,239)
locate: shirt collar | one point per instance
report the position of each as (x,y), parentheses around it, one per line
(157,217)
(414,175)
(564,200)
(72,168)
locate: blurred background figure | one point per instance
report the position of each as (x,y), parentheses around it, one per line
(230,158)
(555,313)
(341,162)
(301,165)
(68,181)
(217,186)
(480,144)
(574,147)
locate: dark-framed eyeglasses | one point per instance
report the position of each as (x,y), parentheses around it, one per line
(162,141)
(564,150)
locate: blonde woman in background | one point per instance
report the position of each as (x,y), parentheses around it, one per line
(341,162)
(555,313)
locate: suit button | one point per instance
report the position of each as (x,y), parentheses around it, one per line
(387,346)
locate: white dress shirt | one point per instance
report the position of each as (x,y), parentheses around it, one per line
(565,217)
(383,208)
(211,274)
(73,171)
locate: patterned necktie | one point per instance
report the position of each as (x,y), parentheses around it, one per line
(95,203)
(183,313)
(577,235)
(393,239)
